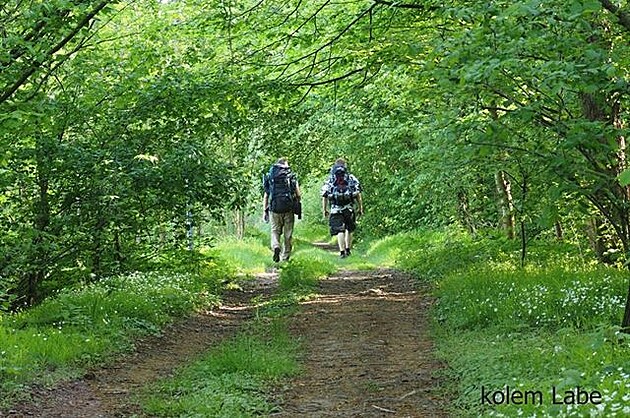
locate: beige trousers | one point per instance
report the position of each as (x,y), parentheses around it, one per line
(282,224)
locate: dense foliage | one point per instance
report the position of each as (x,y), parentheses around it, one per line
(131,128)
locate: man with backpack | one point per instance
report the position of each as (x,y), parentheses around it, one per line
(342,192)
(281,202)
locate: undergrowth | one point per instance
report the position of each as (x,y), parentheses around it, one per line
(87,325)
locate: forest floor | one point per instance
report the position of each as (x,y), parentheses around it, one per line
(366,343)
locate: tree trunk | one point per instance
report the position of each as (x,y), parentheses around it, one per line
(41,225)
(464,212)
(558,230)
(613,202)
(506,203)
(42,222)
(118,250)
(596,241)
(625,323)
(190,230)
(97,250)
(623,165)
(239,220)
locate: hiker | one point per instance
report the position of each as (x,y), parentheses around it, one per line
(282,198)
(342,191)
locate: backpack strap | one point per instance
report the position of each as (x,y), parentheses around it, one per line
(271,181)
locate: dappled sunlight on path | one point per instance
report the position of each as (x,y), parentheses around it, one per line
(368,351)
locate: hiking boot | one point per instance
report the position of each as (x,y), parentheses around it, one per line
(342,254)
(348,252)
(276,255)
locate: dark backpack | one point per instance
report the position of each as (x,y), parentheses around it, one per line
(342,193)
(281,189)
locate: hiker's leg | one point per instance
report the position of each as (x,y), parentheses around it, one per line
(289,221)
(337,228)
(341,241)
(276,229)
(351,224)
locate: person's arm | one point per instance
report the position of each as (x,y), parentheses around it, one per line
(360,204)
(325,206)
(265,207)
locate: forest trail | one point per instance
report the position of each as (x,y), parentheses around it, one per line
(367,353)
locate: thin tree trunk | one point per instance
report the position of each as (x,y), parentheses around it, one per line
(506,203)
(239,217)
(118,251)
(625,323)
(97,246)
(464,212)
(596,241)
(558,230)
(42,222)
(41,225)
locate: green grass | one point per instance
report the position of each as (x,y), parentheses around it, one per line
(538,361)
(553,297)
(81,327)
(550,324)
(230,380)
(309,232)
(249,256)
(305,269)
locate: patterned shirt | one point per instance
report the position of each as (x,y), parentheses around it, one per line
(327,190)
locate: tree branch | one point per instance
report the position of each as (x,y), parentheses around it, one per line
(334,39)
(36,64)
(405,5)
(509,147)
(330,80)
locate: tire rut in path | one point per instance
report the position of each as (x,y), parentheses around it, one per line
(368,351)
(108,392)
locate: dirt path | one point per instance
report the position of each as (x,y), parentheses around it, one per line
(368,352)
(366,344)
(107,392)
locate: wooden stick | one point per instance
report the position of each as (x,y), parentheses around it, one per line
(383,409)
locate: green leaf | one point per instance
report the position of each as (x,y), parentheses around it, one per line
(624,177)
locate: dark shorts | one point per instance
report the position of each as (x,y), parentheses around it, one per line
(340,222)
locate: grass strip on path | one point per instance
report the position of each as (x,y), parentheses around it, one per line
(233,379)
